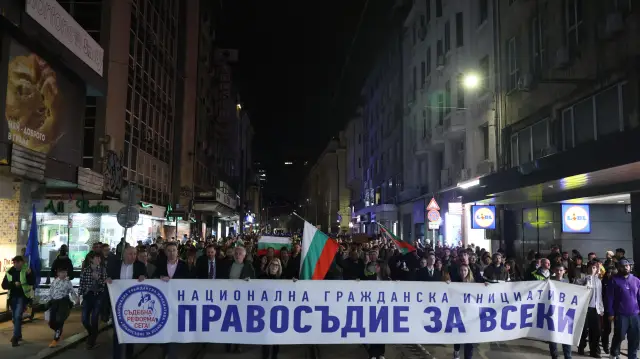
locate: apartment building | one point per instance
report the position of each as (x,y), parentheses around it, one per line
(569,103)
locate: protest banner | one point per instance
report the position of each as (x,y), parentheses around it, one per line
(338,312)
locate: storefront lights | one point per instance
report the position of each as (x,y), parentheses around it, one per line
(469,184)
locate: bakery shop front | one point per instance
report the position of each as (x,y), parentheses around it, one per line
(49,65)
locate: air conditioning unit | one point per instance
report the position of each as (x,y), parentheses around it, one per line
(440,63)
(563,59)
(524,82)
(484,167)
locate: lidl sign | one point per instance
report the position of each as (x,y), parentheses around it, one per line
(576,218)
(483,217)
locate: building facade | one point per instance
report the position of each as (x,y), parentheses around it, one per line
(570,115)
(353,134)
(325,196)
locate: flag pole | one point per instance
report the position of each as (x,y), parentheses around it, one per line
(297,215)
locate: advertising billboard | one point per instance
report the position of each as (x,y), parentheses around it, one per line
(43,109)
(483,217)
(576,218)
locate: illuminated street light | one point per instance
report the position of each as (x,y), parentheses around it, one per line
(471,81)
(238,107)
(469,184)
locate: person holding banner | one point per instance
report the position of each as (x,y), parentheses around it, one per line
(273,271)
(383,273)
(240,269)
(463,275)
(558,274)
(594,312)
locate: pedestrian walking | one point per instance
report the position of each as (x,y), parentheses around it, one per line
(19,281)
(59,305)
(623,295)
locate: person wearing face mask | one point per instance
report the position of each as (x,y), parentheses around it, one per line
(623,307)
(62,261)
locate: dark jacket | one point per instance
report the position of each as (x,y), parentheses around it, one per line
(351,269)
(422,275)
(16,291)
(202,268)
(182,270)
(247,271)
(293,267)
(493,273)
(113,271)
(62,262)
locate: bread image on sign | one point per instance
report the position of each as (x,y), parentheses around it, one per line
(32,103)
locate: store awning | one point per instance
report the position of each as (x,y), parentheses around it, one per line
(214,207)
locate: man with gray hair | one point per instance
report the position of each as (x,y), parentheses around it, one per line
(240,269)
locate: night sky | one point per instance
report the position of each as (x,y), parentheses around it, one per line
(291,58)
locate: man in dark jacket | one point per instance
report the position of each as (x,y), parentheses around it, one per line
(19,281)
(207,265)
(127,268)
(352,267)
(173,267)
(62,261)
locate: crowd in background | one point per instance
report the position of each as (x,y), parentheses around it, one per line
(614,303)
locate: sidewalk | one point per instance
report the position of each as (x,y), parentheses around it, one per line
(37,336)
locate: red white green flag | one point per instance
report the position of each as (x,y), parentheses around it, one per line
(403,247)
(318,251)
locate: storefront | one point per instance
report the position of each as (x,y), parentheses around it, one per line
(80,223)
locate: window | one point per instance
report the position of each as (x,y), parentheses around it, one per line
(598,115)
(428,13)
(439,49)
(424,123)
(447,37)
(483,11)
(459,30)
(524,146)
(512,57)
(484,74)
(574,25)
(484,131)
(538,40)
(423,76)
(460,92)
(438,8)
(447,98)
(540,138)
(428,66)
(413,89)
(414,31)
(530,143)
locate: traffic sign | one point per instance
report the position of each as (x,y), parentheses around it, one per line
(433,205)
(434,225)
(433,216)
(128,217)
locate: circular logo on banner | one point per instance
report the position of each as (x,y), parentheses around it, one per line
(484,217)
(142,311)
(576,218)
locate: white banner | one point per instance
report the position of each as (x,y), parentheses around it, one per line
(338,312)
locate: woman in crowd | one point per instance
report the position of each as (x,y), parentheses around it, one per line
(383,273)
(92,285)
(272,271)
(465,275)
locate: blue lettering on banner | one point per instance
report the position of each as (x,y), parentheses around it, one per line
(545,311)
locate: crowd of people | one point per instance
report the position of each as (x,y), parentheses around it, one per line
(614,305)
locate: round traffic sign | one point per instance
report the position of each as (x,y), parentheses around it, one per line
(128,217)
(433,215)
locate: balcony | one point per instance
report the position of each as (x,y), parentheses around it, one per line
(455,123)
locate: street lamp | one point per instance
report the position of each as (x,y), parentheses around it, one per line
(471,81)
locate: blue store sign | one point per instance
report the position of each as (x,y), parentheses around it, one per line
(576,218)
(483,217)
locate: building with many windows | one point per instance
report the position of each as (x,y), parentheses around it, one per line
(449,124)
(567,169)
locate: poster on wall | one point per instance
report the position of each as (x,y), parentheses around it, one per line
(44,109)
(576,218)
(483,217)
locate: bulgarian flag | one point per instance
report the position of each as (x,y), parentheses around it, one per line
(318,251)
(402,246)
(266,242)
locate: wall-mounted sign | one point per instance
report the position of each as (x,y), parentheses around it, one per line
(483,217)
(57,21)
(576,218)
(79,206)
(225,199)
